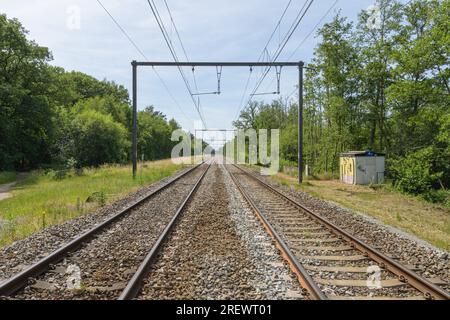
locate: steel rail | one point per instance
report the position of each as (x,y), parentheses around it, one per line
(429,289)
(306,281)
(133,287)
(18,281)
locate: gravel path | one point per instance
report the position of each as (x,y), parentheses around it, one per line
(218,250)
(430,261)
(7,187)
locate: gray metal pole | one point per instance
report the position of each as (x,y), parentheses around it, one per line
(218,64)
(300,123)
(134,134)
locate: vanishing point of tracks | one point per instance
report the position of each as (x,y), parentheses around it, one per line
(329,262)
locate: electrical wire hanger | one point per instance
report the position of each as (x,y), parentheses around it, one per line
(219,76)
(278,74)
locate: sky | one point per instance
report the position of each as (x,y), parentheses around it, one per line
(82,37)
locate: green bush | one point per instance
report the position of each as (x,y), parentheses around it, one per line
(419,173)
(289,144)
(60,174)
(97,197)
(99,139)
(437,196)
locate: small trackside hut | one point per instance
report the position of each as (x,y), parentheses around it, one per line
(362,167)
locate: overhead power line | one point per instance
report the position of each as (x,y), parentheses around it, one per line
(277,26)
(123,30)
(181,42)
(282,45)
(166,37)
(176,31)
(307,37)
(263,53)
(314,29)
(184,51)
(245,92)
(133,43)
(288,36)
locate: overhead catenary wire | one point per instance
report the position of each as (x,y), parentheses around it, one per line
(125,33)
(281,47)
(288,36)
(294,26)
(197,102)
(163,30)
(277,26)
(199,105)
(176,30)
(123,30)
(278,78)
(183,48)
(306,38)
(245,91)
(313,30)
(264,52)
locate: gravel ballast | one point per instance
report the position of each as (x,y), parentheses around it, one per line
(430,261)
(218,250)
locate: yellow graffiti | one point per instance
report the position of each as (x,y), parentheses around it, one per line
(347,169)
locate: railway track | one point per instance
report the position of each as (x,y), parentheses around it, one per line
(329,262)
(201,256)
(107,255)
(131,254)
(133,287)
(198,246)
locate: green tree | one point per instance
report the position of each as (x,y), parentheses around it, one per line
(414,96)
(154,133)
(98,139)
(25,112)
(335,64)
(120,112)
(376,44)
(384,88)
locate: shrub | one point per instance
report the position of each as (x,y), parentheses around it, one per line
(418,174)
(97,197)
(60,174)
(99,140)
(438,196)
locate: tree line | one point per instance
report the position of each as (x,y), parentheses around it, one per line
(381,86)
(53,118)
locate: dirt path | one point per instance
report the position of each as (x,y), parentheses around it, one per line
(6,188)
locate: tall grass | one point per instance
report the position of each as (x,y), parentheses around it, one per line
(7,176)
(47,198)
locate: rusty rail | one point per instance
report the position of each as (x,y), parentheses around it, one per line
(305,280)
(134,285)
(429,289)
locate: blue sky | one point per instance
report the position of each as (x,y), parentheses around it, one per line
(232,30)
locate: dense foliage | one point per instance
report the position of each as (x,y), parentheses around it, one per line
(50,117)
(384,89)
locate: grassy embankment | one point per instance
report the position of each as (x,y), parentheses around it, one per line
(425,220)
(42,199)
